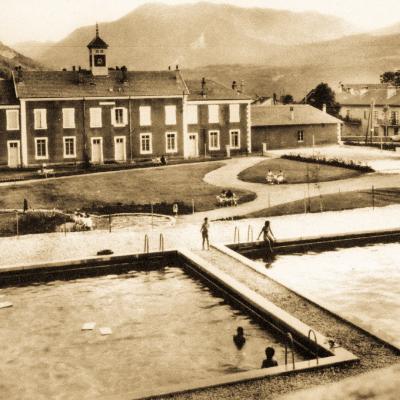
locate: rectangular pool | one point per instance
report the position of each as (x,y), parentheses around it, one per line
(167,328)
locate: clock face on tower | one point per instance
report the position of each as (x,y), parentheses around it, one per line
(99,60)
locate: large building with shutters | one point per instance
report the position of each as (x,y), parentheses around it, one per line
(104,114)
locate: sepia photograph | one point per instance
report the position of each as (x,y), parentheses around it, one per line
(200,200)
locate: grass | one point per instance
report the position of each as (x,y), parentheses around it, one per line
(167,184)
(334,202)
(296,171)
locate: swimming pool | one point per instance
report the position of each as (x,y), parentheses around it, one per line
(358,283)
(167,328)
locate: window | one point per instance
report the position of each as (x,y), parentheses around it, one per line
(40,119)
(213,113)
(170,115)
(12,120)
(171,142)
(119,116)
(376,114)
(95,117)
(192,114)
(41,149)
(234,112)
(69,147)
(395,117)
(145,115)
(146,146)
(213,140)
(234,139)
(300,136)
(68,118)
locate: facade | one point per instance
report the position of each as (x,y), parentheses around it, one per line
(115,115)
(291,126)
(370,111)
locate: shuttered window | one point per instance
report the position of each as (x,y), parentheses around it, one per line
(95,117)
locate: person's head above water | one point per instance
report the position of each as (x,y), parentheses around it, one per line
(269,352)
(240,331)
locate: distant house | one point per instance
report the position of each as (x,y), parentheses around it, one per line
(291,126)
(370,111)
(105,114)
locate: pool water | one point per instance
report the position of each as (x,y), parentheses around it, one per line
(167,328)
(359,283)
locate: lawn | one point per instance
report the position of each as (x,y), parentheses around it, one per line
(168,184)
(334,202)
(296,172)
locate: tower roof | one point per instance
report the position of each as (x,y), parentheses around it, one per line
(97,42)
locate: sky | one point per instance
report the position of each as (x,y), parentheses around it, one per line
(43,20)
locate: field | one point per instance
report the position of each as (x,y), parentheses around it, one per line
(296,172)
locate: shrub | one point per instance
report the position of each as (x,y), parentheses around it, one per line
(335,162)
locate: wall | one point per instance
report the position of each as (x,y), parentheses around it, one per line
(280,137)
(224,126)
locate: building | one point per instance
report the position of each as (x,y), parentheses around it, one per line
(291,126)
(370,111)
(114,115)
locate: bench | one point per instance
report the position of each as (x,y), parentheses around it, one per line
(46,172)
(227,201)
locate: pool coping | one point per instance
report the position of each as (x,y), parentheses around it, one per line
(386,339)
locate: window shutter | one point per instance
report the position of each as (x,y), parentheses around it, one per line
(113,119)
(44,118)
(125,116)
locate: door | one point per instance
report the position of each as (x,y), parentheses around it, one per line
(97,150)
(120,149)
(193,146)
(13,154)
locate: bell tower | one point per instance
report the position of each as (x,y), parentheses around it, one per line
(98,55)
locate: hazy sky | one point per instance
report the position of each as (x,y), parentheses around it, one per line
(41,20)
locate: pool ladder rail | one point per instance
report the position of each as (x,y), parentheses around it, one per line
(147,246)
(250,235)
(311,331)
(289,338)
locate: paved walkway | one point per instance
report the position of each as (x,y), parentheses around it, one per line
(271,195)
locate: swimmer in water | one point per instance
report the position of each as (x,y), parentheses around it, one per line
(269,361)
(239,338)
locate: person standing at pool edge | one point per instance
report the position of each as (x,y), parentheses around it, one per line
(268,236)
(204,233)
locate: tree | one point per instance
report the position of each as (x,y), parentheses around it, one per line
(287,99)
(391,77)
(323,95)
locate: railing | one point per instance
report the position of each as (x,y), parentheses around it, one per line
(291,342)
(249,234)
(161,246)
(146,244)
(315,341)
(236,235)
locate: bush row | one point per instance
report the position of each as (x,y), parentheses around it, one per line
(334,162)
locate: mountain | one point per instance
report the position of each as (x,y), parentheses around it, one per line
(9,59)
(33,49)
(154,36)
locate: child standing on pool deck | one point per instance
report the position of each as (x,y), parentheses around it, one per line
(204,233)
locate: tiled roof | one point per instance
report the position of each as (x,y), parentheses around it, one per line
(214,91)
(379,96)
(303,114)
(7,93)
(61,84)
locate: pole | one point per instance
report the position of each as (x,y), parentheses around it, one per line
(109,222)
(192,206)
(373,197)
(152,215)
(269,200)
(17,222)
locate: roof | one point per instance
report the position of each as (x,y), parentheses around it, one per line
(7,93)
(62,84)
(380,96)
(97,43)
(304,114)
(214,91)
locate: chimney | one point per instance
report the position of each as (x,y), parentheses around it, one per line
(274,99)
(292,113)
(203,87)
(234,85)
(241,86)
(176,67)
(124,71)
(324,108)
(169,68)
(73,68)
